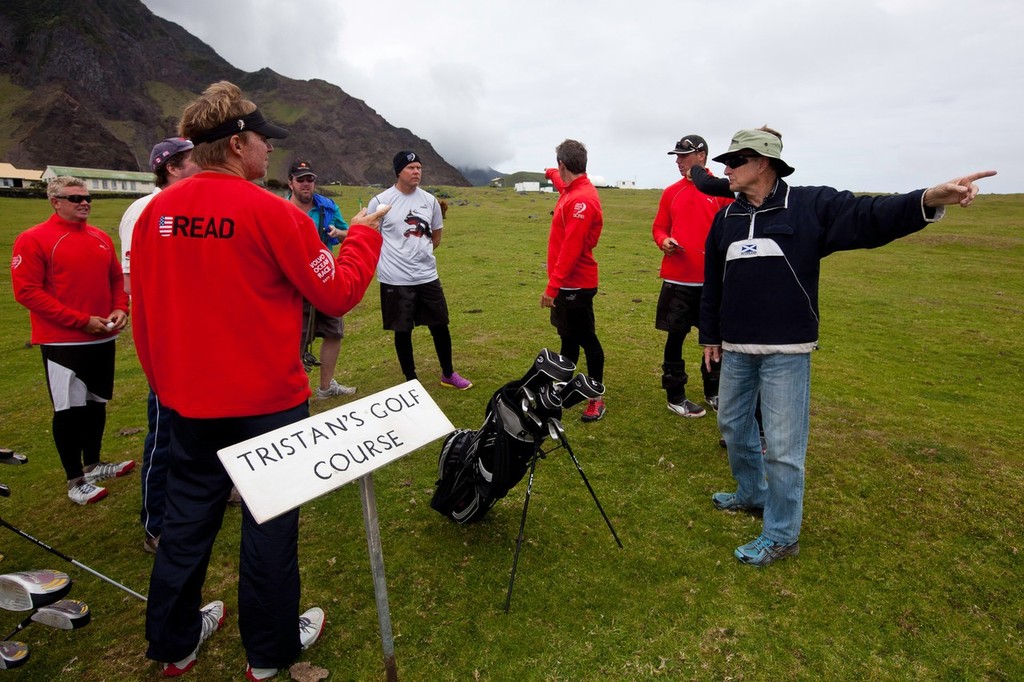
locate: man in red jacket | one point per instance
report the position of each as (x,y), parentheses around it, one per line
(572,271)
(220,255)
(67,273)
(680,230)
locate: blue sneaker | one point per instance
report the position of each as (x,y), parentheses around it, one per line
(729,502)
(763,551)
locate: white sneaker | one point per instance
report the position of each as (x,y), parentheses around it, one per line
(688,409)
(334,390)
(103,471)
(212,618)
(86,493)
(311,624)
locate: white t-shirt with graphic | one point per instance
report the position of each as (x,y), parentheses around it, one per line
(407,255)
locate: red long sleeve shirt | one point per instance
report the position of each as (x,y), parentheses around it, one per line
(685,214)
(219,269)
(64,272)
(575,230)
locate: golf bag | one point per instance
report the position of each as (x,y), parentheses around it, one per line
(477,468)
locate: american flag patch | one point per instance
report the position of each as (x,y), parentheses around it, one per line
(748,249)
(165,225)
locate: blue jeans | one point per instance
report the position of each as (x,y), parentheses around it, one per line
(774,480)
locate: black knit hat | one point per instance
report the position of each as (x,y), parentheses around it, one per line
(403,159)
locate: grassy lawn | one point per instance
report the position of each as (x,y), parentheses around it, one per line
(911,563)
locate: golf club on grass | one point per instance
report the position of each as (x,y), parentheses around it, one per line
(12,654)
(65,557)
(8,456)
(27,590)
(66,614)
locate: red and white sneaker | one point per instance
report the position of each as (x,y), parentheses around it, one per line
(103,470)
(311,624)
(595,410)
(212,618)
(86,493)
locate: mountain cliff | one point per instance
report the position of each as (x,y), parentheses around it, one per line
(96,83)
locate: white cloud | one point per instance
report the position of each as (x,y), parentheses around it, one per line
(874,96)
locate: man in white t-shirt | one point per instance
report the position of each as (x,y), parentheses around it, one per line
(410,289)
(171,161)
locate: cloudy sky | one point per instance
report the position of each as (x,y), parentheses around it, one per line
(870,95)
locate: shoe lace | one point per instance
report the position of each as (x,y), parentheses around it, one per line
(763,544)
(210,620)
(306,625)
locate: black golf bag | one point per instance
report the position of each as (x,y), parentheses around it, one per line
(477,468)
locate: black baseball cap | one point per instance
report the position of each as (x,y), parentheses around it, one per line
(689,144)
(299,169)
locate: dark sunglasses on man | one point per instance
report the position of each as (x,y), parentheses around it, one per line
(739,160)
(74,198)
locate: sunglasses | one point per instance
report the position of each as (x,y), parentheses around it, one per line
(75,198)
(306,178)
(738,160)
(685,145)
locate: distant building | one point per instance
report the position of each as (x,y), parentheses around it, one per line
(522,187)
(106,180)
(626,184)
(497,182)
(16,177)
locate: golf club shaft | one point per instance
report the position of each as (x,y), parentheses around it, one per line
(65,557)
(21,626)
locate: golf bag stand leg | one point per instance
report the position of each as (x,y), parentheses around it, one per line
(522,528)
(565,444)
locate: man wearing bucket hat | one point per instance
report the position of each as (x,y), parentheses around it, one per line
(759,315)
(679,230)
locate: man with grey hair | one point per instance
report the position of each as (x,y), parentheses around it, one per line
(759,316)
(66,272)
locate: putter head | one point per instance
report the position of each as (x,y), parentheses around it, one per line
(66,614)
(547,368)
(27,590)
(13,654)
(579,389)
(11,457)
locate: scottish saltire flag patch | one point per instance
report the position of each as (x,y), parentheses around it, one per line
(748,249)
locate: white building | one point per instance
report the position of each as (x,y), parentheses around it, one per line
(106,180)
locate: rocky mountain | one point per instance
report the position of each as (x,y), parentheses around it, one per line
(95,83)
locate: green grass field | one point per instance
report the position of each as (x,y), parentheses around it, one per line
(911,564)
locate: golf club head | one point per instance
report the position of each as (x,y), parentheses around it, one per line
(27,590)
(4,490)
(66,614)
(548,367)
(13,654)
(579,389)
(527,397)
(555,429)
(8,456)
(548,398)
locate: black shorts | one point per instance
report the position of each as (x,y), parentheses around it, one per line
(325,326)
(77,373)
(678,308)
(573,314)
(405,307)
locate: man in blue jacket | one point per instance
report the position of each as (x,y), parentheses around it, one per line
(759,316)
(333,228)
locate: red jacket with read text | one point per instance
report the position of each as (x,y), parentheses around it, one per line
(219,270)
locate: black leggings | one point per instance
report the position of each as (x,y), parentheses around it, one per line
(591,349)
(78,435)
(442,346)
